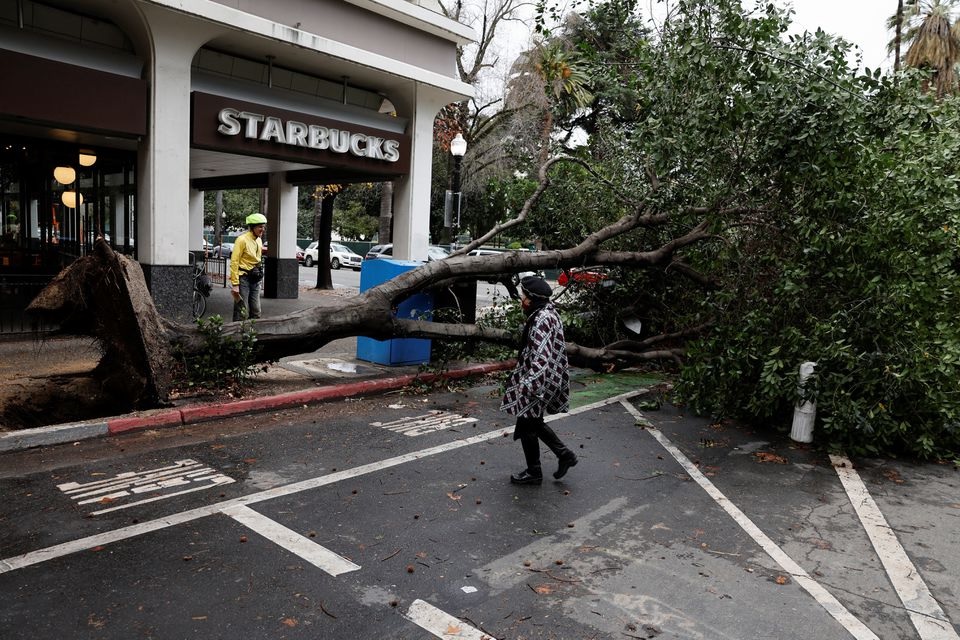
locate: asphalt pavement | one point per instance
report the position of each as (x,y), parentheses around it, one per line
(392,517)
(388,514)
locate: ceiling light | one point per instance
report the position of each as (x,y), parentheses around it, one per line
(65,175)
(69,198)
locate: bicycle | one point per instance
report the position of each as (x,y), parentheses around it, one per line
(202,286)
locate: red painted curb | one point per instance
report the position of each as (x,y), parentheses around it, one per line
(156,420)
(201,413)
(223,409)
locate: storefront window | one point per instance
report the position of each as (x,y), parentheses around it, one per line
(55,204)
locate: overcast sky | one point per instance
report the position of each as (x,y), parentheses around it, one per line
(862,22)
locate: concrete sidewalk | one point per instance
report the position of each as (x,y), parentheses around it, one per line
(328,374)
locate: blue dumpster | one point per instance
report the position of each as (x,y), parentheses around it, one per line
(396,351)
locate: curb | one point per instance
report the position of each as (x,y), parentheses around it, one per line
(63,433)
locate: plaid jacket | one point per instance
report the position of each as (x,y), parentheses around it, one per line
(540,383)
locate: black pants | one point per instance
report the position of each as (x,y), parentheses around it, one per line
(530,431)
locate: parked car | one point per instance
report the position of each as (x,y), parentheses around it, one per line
(434,252)
(484,252)
(379,251)
(589,276)
(340,256)
(223,250)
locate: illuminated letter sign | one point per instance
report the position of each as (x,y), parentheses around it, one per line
(256,126)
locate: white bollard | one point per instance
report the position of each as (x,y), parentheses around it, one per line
(805,414)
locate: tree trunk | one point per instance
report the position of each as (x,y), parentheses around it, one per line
(324,224)
(898,38)
(218,220)
(385,233)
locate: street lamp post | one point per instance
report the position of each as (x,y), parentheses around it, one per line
(458,147)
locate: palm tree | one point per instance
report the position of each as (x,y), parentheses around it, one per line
(555,70)
(933,37)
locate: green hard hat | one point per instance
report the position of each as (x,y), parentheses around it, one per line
(256,218)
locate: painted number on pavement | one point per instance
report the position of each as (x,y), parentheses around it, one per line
(129,489)
(419,425)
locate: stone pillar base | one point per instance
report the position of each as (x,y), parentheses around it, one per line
(281,278)
(172,289)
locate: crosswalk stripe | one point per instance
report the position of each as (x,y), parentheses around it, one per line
(315,554)
(441,624)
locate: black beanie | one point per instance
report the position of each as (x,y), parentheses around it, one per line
(536,288)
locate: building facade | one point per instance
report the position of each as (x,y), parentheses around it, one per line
(117,115)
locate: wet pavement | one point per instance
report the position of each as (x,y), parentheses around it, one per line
(392,517)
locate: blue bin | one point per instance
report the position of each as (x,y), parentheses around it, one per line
(396,351)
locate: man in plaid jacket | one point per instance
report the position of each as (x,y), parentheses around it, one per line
(540,383)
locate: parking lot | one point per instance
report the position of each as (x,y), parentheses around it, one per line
(380,519)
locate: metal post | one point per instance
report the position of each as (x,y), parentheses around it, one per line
(457,198)
(805,413)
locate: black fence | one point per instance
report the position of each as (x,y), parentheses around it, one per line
(216,269)
(16,292)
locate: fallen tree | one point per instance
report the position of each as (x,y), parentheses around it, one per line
(104,295)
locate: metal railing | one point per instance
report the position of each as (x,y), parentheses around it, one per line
(16,292)
(217,270)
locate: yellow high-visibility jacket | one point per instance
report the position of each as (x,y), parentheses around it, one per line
(247,253)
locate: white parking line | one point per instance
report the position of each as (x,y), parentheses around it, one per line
(826,599)
(442,625)
(927,616)
(134,530)
(318,556)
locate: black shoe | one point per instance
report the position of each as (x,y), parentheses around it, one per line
(564,464)
(525,477)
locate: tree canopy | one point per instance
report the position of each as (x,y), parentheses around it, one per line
(831,201)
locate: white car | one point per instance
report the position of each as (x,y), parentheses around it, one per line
(434,252)
(340,256)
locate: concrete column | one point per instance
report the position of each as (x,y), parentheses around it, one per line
(196,220)
(164,226)
(282,276)
(411,224)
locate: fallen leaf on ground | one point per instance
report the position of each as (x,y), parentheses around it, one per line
(452,630)
(290,622)
(892,475)
(766,456)
(782,580)
(453,496)
(543,589)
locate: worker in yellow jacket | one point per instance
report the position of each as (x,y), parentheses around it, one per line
(246,271)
